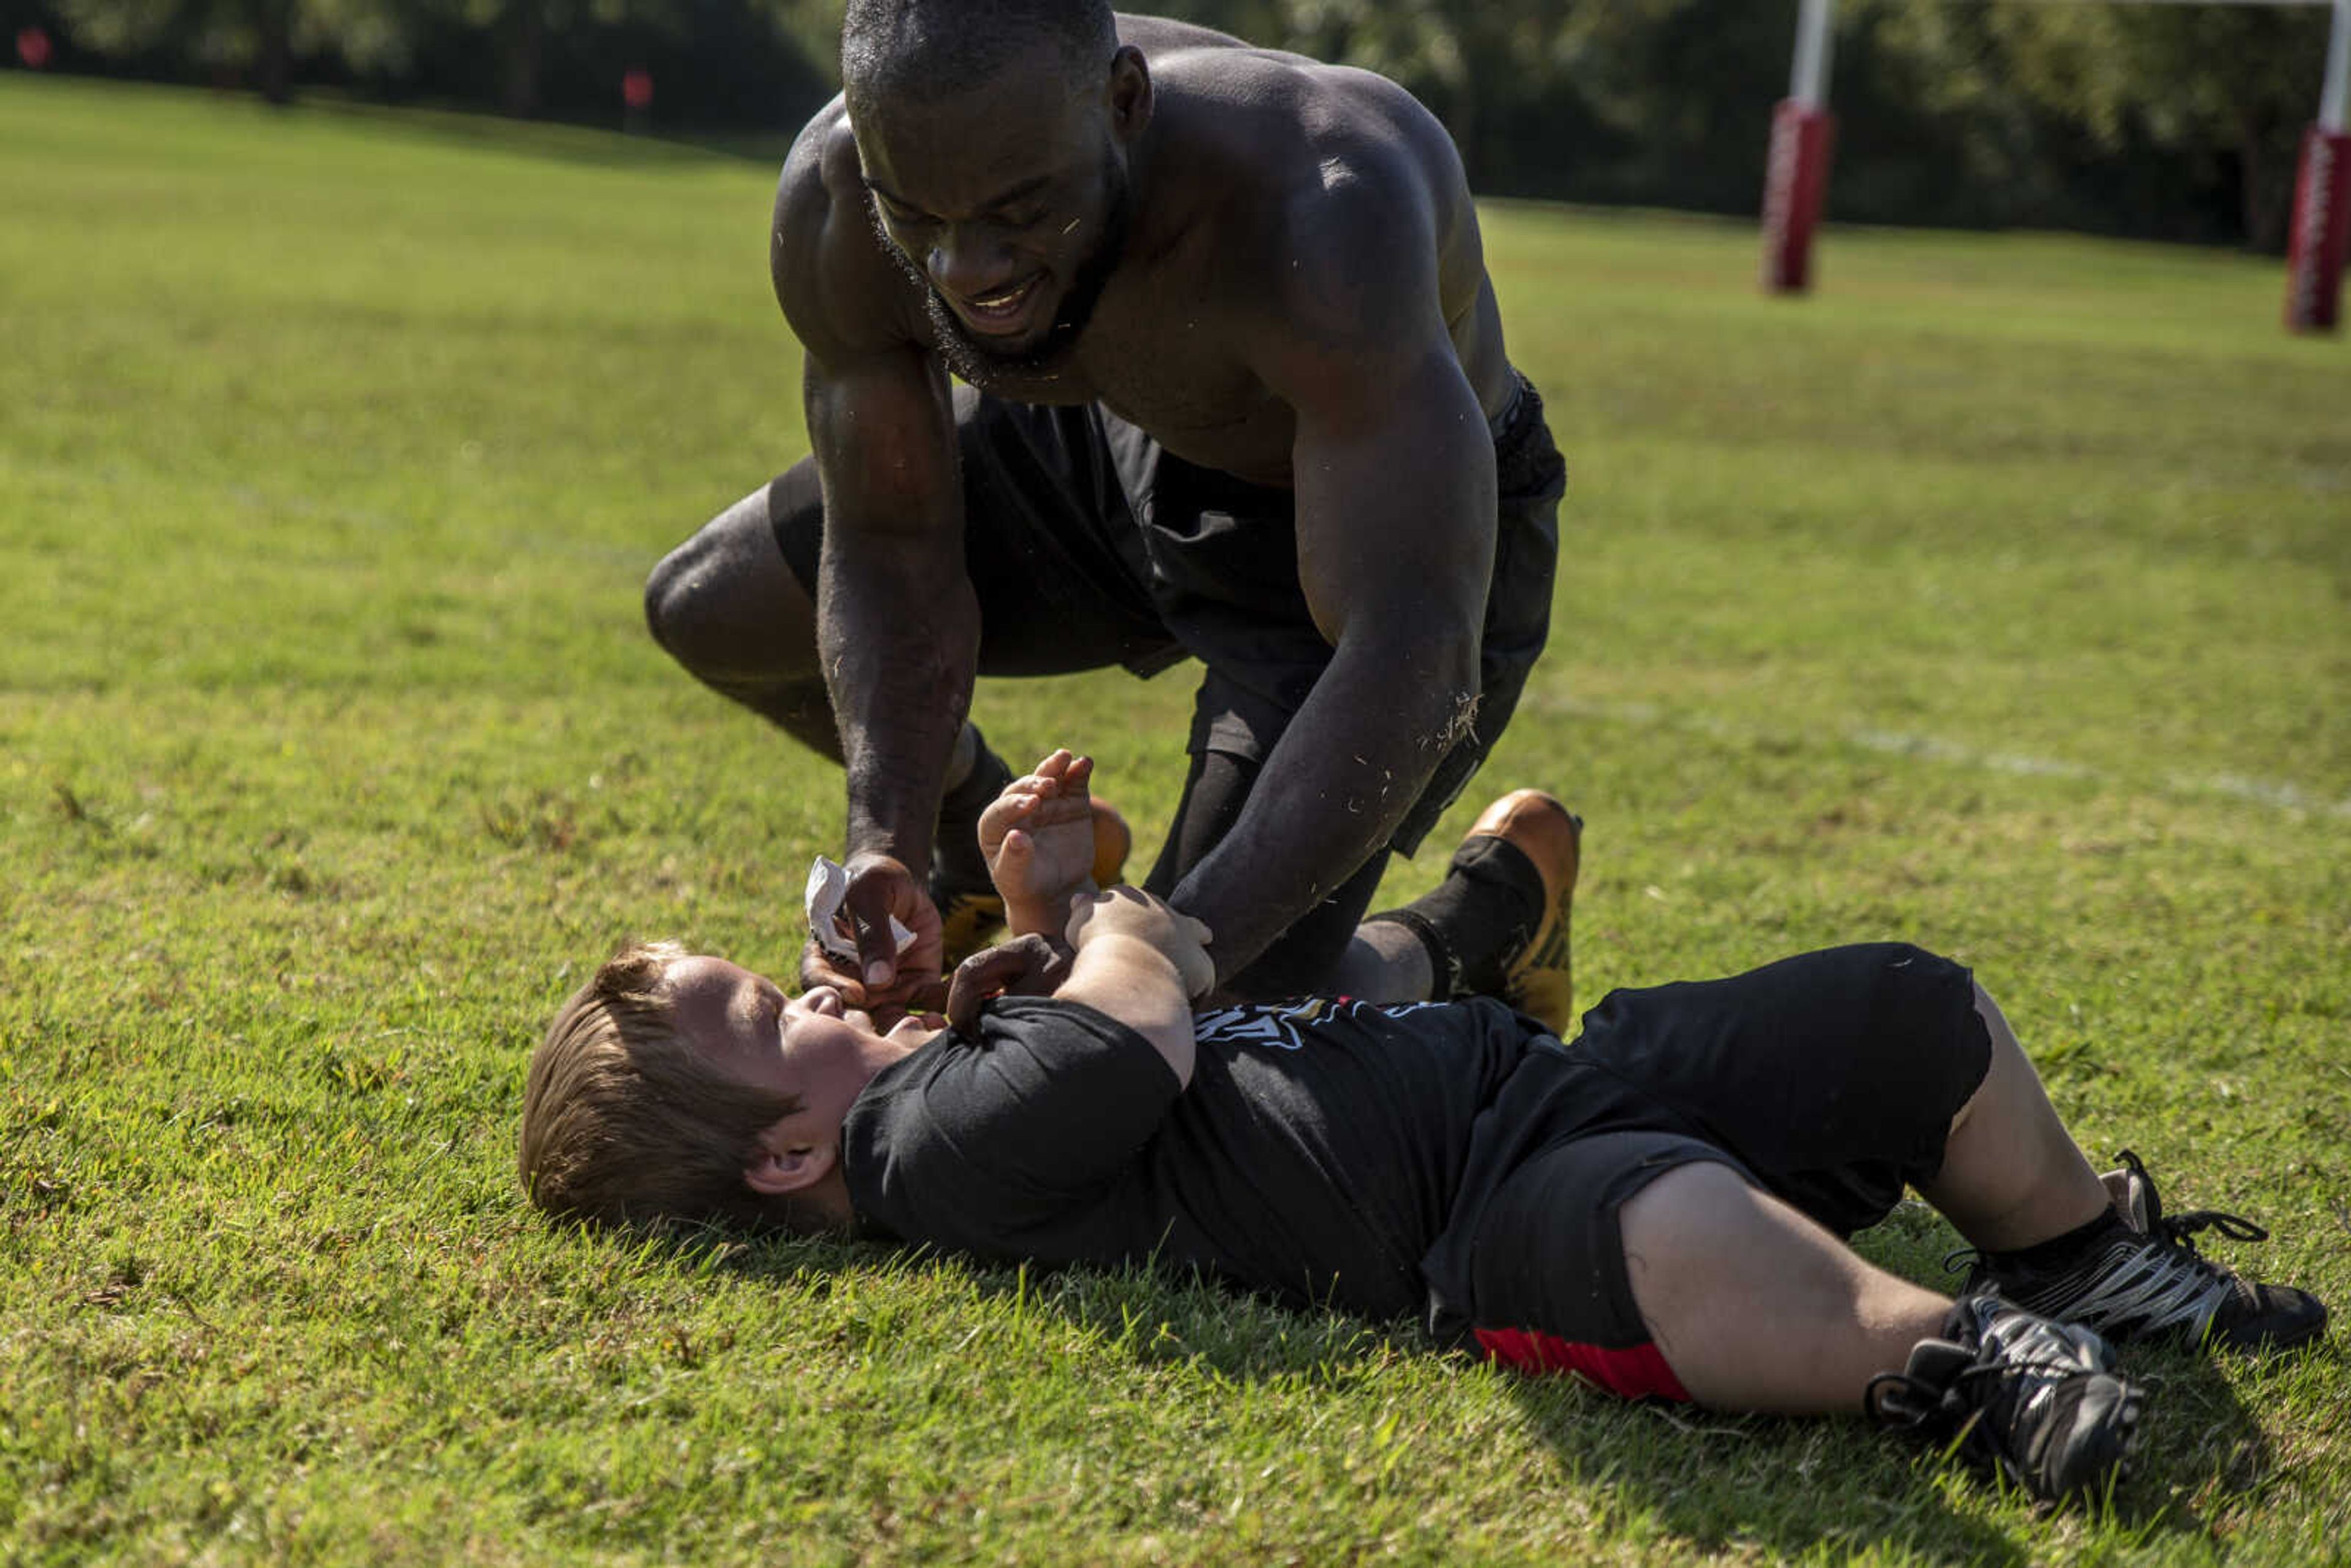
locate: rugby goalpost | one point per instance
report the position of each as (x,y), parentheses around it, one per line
(1804,131)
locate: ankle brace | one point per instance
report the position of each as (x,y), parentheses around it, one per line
(1478,920)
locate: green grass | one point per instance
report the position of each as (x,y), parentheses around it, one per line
(1999,598)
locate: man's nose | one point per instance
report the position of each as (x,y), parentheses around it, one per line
(970,261)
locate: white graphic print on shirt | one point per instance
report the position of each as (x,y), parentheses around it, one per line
(1279,1024)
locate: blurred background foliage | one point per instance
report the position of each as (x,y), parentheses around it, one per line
(2163,121)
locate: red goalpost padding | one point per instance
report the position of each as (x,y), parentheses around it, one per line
(1796,180)
(2322,233)
(2322,197)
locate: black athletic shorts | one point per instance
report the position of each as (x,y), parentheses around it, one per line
(1090,546)
(1829,1080)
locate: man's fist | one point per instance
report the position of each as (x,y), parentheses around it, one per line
(880,978)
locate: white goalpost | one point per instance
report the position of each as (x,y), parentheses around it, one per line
(1802,133)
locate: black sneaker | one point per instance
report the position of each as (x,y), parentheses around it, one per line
(2144,1279)
(2039,1401)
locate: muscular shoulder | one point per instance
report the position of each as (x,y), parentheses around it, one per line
(838,287)
(1348,192)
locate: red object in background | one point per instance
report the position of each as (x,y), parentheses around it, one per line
(34,49)
(637,90)
(1796,182)
(2322,233)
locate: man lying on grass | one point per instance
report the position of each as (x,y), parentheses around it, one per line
(1656,1207)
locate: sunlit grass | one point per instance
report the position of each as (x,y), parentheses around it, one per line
(1997,598)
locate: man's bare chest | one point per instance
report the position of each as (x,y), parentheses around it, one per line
(1181,384)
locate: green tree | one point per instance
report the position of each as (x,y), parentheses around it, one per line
(254,36)
(1478,65)
(2239,81)
(261,40)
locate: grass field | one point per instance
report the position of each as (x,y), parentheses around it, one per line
(1999,598)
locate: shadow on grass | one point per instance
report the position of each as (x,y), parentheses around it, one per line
(1790,1487)
(1154,1316)
(1796,1486)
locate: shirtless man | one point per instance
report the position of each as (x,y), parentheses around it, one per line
(1236,388)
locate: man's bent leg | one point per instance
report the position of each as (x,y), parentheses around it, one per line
(1386,962)
(728,606)
(739,613)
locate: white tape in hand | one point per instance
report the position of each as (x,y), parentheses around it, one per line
(827,885)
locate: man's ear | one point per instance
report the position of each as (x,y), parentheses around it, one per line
(779,1166)
(1130,93)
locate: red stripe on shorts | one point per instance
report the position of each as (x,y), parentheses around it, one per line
(1637,1372)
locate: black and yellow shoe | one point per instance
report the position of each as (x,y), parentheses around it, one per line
(1539,977)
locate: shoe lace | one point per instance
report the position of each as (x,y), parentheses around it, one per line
(1945,1411)
(1900,1399)
(2179,1230)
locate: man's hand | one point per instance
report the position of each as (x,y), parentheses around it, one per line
(881,980)
(1027,965)
(1038,837)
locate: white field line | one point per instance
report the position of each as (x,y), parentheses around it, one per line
(2233,785)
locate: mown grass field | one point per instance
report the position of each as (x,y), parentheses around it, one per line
(1997,598)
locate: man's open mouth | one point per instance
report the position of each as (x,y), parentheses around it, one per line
(1003,312)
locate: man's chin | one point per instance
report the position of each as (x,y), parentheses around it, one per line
(1010,348)
(973,355)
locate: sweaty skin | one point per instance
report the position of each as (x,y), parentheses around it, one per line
(1299,300)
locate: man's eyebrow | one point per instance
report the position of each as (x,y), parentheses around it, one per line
(996,202)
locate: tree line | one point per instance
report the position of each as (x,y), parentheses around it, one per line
(2168,121)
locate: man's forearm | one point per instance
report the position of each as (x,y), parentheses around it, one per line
(901,649)
(1350,766)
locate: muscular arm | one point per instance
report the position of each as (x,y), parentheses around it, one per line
(1394,471)
(897,621)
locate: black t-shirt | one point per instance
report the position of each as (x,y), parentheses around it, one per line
(1316,1156)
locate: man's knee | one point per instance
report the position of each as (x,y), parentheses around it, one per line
(667,598)
(727,606)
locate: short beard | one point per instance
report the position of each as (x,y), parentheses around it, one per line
(974,360)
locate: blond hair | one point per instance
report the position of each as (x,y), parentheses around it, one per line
(623,1123)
